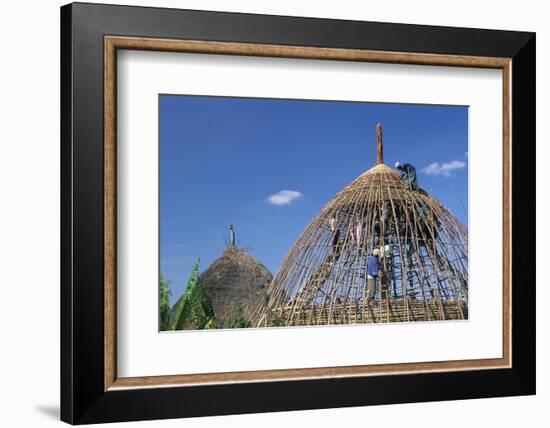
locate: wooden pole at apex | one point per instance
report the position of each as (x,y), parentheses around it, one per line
(379,145)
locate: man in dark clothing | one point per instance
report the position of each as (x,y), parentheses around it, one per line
(385,219)
(408,173)
(336,244)
(373,268)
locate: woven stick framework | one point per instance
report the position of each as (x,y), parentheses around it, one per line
(323,279)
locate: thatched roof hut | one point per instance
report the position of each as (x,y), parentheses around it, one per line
(323,279)
(235,280)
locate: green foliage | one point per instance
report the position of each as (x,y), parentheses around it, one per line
(238,320)
(210,324)
(273,320)
(195,307)
(164,303)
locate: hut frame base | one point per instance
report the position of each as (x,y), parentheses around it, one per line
(370,312)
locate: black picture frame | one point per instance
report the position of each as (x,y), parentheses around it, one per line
(83,399)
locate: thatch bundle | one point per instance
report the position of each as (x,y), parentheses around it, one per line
(323,279)
(235,280)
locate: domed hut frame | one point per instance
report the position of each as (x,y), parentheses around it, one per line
(323,279)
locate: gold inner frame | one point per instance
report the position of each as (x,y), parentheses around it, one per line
(113,43)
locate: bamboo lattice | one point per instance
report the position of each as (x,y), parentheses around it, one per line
(424,263)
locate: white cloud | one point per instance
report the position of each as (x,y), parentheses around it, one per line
(284,197)
(444,169)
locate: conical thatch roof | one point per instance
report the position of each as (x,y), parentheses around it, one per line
(235,279)
(323,279)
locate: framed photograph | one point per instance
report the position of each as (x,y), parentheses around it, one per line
(266,213)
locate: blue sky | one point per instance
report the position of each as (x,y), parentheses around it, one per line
(227,160)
